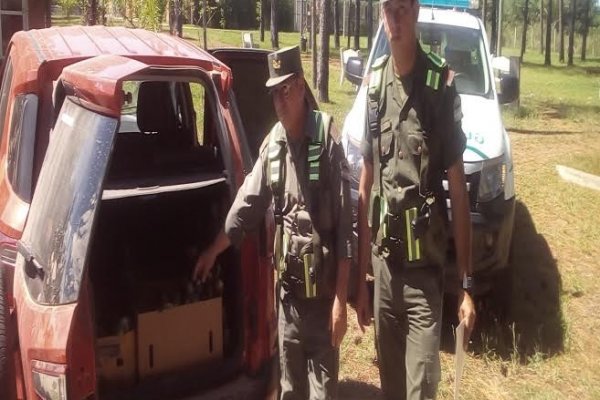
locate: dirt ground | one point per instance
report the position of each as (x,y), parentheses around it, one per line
(545,345)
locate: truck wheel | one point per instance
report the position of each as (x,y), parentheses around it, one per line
(5,370)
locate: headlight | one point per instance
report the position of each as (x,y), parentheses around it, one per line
(49,380)
(491,182)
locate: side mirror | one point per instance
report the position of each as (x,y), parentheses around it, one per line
(509,89)
(508,72)
(353,70)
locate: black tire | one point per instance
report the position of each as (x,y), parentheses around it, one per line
(5,370)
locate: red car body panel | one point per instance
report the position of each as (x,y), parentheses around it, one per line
(39,58)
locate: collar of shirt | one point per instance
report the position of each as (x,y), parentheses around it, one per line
(404,85)
(310,128)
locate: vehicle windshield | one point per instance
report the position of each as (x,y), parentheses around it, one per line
(463,49)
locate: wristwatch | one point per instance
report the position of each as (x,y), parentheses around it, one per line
(467,283)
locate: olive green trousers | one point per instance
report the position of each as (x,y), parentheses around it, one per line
(309,363)
(408,318)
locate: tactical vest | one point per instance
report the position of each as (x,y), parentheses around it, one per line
(406,213)
(308,274)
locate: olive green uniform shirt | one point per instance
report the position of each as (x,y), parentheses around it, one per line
(255,195)
(445,138)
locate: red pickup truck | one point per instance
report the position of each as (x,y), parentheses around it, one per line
(121,151)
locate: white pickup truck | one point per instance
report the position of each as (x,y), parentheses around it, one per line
(460,38)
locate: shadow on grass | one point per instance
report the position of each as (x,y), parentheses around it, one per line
(356,390)
(521,317)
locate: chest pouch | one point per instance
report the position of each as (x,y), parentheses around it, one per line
(304,268)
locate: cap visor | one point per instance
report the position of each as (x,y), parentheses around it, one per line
(276,81)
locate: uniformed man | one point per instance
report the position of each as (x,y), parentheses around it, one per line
(301,169)
(413,136)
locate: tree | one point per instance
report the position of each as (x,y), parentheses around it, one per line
(494,19)
(369,24)
(561,32)
(525,24)
(176,17)
(336,25)
(585,22)
(274,28)
(196,12)
(357,25)
(313,40)
(323,78)
(571,33)
(541,26)
(90,12)
(548,55)
(263,19)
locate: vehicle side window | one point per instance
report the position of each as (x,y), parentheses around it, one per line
(21,144)
(5,91)
(200,108)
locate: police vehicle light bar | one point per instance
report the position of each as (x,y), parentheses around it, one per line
(464,4)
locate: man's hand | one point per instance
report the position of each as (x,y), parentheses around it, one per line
(339,322)
(466,311)
(204,264)
(363,311)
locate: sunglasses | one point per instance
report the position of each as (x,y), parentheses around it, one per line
(282,89)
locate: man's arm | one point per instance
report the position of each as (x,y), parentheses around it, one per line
(246,214)
(364,243)
(461,222)
(343,236)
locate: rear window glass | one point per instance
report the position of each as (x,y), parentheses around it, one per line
(68,192)
(168,130)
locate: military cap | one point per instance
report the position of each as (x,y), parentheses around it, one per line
(283,64)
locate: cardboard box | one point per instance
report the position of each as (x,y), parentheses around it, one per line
(116,359)
(179,337)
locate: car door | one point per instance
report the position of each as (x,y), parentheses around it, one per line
(254,114)
(53,300)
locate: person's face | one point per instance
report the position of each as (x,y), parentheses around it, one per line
(400,19)
(287,98)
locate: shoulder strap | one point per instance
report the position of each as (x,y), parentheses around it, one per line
(435,82)
(375,100)
(276,180)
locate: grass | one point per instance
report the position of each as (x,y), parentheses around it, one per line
(547,347)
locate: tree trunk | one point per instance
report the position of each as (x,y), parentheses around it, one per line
(313,40)
(586,29)
(483,13)
(274,31)
(541,26)
(548,55)
(494,18)
(369,24)
(263,18)
(561,32)
(204,11)
(196,13)
(176,18)
(357,25)
(91,12)
(323,79)
(336,25)
(571,33)
(500,15)
(525,24)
